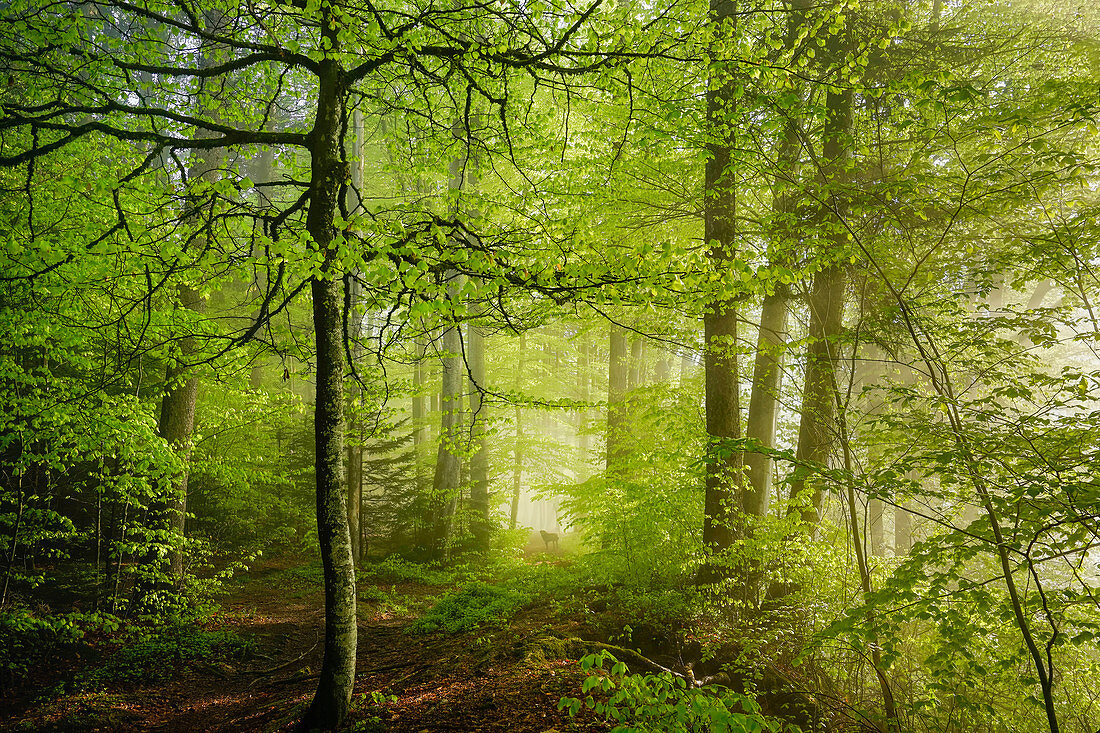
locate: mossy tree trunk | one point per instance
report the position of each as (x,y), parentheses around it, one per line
(332,700)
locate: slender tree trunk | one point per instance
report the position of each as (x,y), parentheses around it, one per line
(584,394)
(771,339)
(723,408)
(637,364)
(875,517)
(517,465)
(177,408)
(448,469)
(355,483)
(826,304)
(328,172)
(14,544)
(479,461)
(903,530)
(617,383)
(763,415)
(889,706)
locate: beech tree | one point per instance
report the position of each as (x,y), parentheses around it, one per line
(85,58)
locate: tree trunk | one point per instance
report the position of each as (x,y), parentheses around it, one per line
(637,364)
(332,700)
(176,425)
(445,483)
(354,443)
(517,466)
(479,461)
(771,339)
(617,382)
(826,303)
(903,530)
(763,415)
(875,517)
(723,409)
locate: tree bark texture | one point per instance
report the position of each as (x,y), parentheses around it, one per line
(826,305)
(176,425)
(332,700)
(445,482)
(723,409)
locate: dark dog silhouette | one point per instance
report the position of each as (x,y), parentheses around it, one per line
(550,538)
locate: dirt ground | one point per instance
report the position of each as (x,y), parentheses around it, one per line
(489,680)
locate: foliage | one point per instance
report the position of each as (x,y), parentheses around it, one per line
(473,606)
(27,640)
(663,703)
(154,653)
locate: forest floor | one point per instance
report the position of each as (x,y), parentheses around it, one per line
(489,679)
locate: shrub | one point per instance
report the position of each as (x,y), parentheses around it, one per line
(27,640)
(663,703)
(155,653)
(472,606)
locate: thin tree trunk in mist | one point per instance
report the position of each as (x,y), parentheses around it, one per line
(637,364)
(479,461)
(517,465)
(763,414)
(448,470)
(826,302)
(617,383)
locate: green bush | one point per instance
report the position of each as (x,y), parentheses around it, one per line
(27,640)
(154,654)
(472,606)
(664,704)
(395,569)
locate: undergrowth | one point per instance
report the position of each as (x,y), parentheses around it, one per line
(473,606)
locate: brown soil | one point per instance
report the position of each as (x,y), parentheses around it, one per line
(484,681)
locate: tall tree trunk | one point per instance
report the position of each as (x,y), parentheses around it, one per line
(637,364)
(328,172)
(826,302)
(763,415)
(517,465)
(177,407)
(176,425)
(617,382)
(448,469)
(875,517)
(771,339)
(723,408)
(903,531)
(479,461)
(354,442)
(419,417)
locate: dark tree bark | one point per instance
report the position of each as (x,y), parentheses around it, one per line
(448,468)
(332,701)
(723,409)
(826,303)
(176,425)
